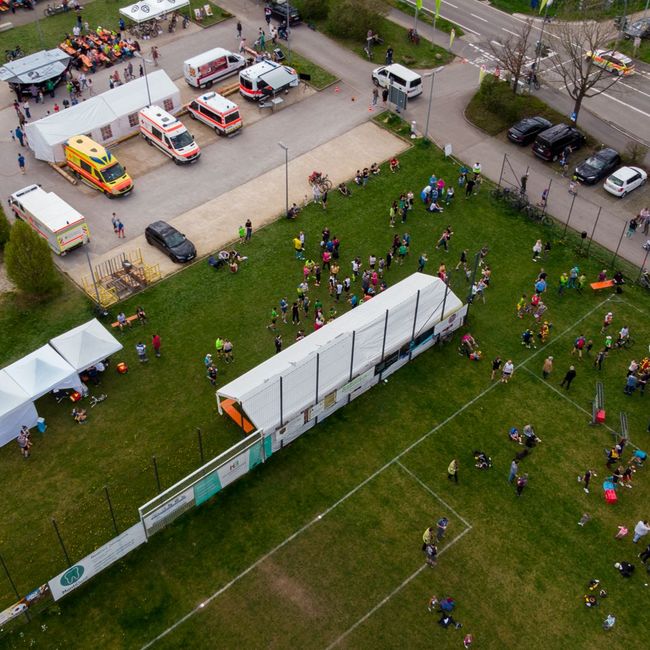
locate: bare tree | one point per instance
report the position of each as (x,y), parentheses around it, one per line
(511,53)
(572,63)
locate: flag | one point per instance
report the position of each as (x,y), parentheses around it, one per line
(438,8)
(544,3)
(481,74)
(452,36)
(418,4)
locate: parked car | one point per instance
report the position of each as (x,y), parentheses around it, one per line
(279,11)
(624,180)
(171,242)
(525,130)
(612,61)
(639,28)
(550,144)
(597,166)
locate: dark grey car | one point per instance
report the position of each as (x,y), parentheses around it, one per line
(171,242)
(597,166)
(639,28)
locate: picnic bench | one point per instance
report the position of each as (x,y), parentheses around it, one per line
(605,284)
(129,320)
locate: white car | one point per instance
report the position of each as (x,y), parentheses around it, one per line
(624,180)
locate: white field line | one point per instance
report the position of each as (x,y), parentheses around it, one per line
(354,490)
(432,493)
(395,591)
(630,304)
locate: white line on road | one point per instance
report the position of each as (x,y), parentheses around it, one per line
(449,3)
(497,43)
(509,31)
(634,108)
(463,27)
(622,83)
(485,20)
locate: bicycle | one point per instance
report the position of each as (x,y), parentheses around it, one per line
(626,343)
(535,214)
(94,400)
(12,55)
(321,180)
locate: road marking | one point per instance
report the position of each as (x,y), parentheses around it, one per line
(485,20)
(510,32)
(622,83)
(634,108)
(395,591)
(497,43)
(463,27)
(449,3)
(201,606)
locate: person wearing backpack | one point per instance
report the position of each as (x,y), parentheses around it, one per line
(578,346)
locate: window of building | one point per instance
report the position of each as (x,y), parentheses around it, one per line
(168,105)
(133,119)
(107,132)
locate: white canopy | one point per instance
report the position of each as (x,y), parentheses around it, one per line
(35,68)
(105,117)
(143,11)
(85,345)
(42,371)
(16,409)
(385,323)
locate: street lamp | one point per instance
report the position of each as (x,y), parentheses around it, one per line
(433,77)
(286,177)
(146,78)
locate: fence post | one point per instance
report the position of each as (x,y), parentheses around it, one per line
(11,582)
(415,320)
(593,230)
(503,164)
(619,244)
(110,507)
(566,225)
(471,285)
(645,259)
(200,437)
(58,534)
(155,471)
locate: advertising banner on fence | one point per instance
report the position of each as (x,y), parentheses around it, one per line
(24,604)
(97,561)
(168,511)
(451,323)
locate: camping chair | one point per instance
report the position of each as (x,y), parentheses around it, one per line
(198,14)
(207,10)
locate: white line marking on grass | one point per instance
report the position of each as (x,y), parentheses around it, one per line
(354,490)
(430,491)
(395,591)
(630,304)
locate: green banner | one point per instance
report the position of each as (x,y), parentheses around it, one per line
(207,488)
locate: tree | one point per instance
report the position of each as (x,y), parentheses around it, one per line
(511,53)
(353,18)
(313,9)
(576,71)
(29,262)
(5,228)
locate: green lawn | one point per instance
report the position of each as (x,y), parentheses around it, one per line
(520,571)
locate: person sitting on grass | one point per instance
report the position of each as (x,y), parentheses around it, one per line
(625,569)
(434,206)
(358,178)
(344,189)
(529,435)
(394,165)
(468,344)
(515,436)
(374,169)
(79,415)
(141,314)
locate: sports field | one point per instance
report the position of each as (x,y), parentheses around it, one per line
(321,546)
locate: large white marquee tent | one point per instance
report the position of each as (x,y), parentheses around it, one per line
(286,386)
(140,12)
(105,118)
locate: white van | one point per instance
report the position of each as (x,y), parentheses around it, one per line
(51,217)
(397,75)
(169,134)
(265,78)
(217,112)
(202,70)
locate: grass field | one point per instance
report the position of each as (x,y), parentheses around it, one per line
(375,471)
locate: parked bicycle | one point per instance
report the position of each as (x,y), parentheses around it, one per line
(321,180)
(12,55)
(413,36)
(54,9)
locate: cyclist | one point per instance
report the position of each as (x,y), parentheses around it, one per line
(623,336)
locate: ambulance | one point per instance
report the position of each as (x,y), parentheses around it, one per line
(96,166)
(202,70)
(51,217)
(169,134)
(266,78)
(217,112)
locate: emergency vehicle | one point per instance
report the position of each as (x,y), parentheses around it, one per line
(266,78)
(51,217)
(202,70)
(169,134)
(612,61)
(96,166)
(217,112)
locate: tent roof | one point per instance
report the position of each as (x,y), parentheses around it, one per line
(278,79)
(85,345)
(41,371)
(11,394)
(143,11)
(356,319)
(35,68)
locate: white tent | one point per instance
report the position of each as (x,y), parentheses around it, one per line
(42,371)
(16,409)
(392,324)
(105,118)
(85,345)
(35,68)
(140,12)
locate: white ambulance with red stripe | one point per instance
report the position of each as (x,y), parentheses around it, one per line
(217,112)
(265,79)
(168,133)
(51,217)
(202,70)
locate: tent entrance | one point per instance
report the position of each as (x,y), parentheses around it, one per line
(229,406)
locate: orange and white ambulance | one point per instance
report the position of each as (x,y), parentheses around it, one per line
(169,134)
(266,78)
(217,112)
(96,166)
(51,217)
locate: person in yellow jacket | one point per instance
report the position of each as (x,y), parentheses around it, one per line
(452,471)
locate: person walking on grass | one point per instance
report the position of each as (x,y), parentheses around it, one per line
(537,250)
(508,371)
(155,344)
(452,471)
(586,478)
(522,482)
(547,368)
(441,528)
(569,377)
(514,468)
(641,530)
(496,365)
(421,262)
(141,350)
(278,343)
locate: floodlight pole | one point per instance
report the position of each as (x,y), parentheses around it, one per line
(286,177)
(146,77)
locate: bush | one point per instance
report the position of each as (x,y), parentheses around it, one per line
(497,97)
(29,262)
(353,18)
(634,154)
(5,228)
(313,9)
